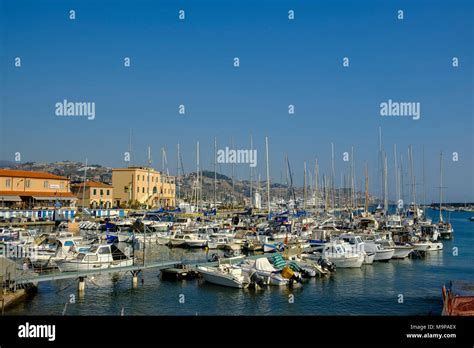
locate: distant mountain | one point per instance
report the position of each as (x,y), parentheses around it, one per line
(7,164)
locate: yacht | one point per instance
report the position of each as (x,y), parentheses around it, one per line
(98,257)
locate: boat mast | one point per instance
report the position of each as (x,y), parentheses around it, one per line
(440,186)
(148,178)
(424,180)
(84,190)
(385,173)
(215,172)
(380,169)
(397,184)
(352,194)
(366,208)
(304,186)
(197,177)
(333,175)
(177,173)
(233,181)
(251,172)
(316,182)
(268,175)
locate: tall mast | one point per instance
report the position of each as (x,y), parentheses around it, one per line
(440,186)
(353,204)
(84,190)
(288,190)
(215,172)
(268,175)
(198,197)
(316,182)
(380,173)
(130,147)
(333,175)
(424,178)
(366,188)
(397,184)
(385,174)
(410,151)
(304,186)
(148,176)
(251,172)
(177,173)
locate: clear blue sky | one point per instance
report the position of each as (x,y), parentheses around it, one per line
(282,62)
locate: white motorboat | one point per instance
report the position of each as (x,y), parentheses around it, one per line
(218,242)
(401,251)
(195,241)
(358,246)
(177,239)
(342,256)
(98,257)
(187,239)
(381,253)
(225,275)
(52,250)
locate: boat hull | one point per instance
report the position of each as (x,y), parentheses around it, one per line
(384,255)
(74,266)
(347,262)
(221,279)
(401,252)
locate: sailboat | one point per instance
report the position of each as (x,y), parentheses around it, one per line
(445,229)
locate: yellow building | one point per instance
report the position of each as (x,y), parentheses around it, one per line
(27,189)
(144,186)
(95,195)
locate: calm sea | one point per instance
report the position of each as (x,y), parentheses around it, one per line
(374,289)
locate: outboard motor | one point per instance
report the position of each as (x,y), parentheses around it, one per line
(256,279)
(213,258)
(326,265)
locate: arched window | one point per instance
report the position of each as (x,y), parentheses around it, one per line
(155,190)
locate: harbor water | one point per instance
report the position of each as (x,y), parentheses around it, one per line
(397,287)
